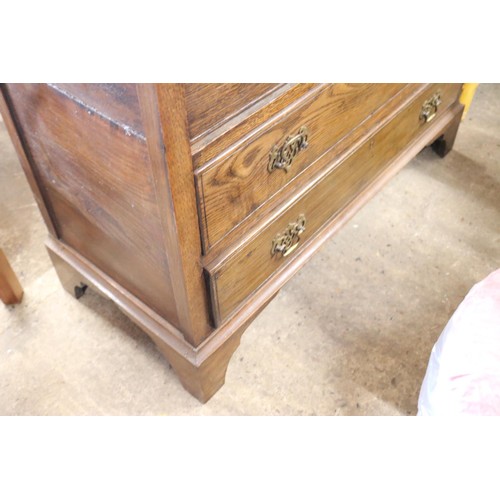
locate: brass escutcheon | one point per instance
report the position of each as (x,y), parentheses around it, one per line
(285,243)
(281,157)
(430,107)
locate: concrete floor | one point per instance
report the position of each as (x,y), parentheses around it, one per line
(350,335)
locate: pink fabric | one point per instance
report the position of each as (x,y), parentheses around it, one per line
(463,375)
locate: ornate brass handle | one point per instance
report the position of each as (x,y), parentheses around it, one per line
(430,108)
(281,157)
(285,243)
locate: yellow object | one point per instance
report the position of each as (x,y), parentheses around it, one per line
(468,91)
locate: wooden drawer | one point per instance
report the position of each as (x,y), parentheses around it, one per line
(236,275)
(232,187)
(233,112)
(208,105)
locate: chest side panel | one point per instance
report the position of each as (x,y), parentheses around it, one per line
(95,176)
(116,101)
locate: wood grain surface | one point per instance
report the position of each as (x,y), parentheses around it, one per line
(201,369)
(208,105)
(98,182)
(172,170)
(234,187)
(116,101)
(240,233)
(242,272)
(229,133)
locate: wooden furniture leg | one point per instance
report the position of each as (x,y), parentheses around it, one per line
(444,143)
(204,377)
(71,281)
(201,369)
(11,291)
(207,374)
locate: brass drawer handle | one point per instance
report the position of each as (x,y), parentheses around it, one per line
(281,157)
(430,108)
(285,243)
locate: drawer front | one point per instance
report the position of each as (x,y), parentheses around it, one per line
(210,104)
(239,274)
(232,188)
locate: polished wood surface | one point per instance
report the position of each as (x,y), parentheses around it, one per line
(116,101)
(230,189)
(246,124)
(444,144)
(98,187)
(238,275)
(201,370)
(172,169)
(209,105)
(116,171)
(11,291)
(240,234)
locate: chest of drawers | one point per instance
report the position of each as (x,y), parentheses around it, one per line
(190,205)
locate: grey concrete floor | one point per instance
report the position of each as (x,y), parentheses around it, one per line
(351,334)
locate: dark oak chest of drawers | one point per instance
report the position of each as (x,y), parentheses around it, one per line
(190,205)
